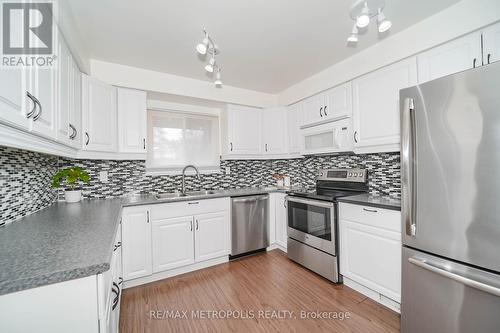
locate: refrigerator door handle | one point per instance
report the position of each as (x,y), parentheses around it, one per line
(456,277)
(407,167)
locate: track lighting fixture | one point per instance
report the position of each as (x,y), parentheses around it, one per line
(208,46)
(362,11)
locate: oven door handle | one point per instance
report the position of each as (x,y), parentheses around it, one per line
(317,203)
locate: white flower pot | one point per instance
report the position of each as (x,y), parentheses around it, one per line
(73,196)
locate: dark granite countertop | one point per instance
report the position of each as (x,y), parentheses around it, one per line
(366,199)
(69,241)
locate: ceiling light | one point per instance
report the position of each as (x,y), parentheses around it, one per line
(353,38)
(218,82)
(210,66)
(364,19)
(383,23)
(203,46)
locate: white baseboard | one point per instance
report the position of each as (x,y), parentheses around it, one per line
(376,296)
(173,272)
(275,246)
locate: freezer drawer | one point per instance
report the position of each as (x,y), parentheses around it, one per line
(443,296)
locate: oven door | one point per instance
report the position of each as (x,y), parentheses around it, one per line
(312,222)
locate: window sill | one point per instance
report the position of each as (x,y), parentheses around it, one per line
(178,172)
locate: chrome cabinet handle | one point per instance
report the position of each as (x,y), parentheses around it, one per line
(73,135)
(117,246)
(88,138)
(191,223)
(320,112)
(193,203)
(474,63)
(408,188)
(231,146)
(356,136)
(120,280)
(30,96)
(488,58)
(147,213)
(144,143)
(37,102)
(324,111)
(266,146)
(370,210)
(117,297)
(456,277)
(284,203)
(197,226)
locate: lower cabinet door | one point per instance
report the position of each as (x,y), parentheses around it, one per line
(211,235)
(372,257)
(173,243)
(136,242)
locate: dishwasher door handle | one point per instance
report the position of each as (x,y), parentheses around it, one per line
(250,199)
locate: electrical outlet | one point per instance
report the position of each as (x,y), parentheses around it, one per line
(228,170)
(103,176)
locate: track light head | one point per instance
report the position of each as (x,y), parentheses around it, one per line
(353,37)
(203,46)
(383,23)
(364,18)
(218,82)
(210,66)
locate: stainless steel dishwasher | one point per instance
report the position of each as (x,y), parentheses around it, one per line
(249,232)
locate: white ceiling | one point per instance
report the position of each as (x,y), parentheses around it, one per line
(266,45)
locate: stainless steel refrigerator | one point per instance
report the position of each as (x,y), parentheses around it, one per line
(450,165)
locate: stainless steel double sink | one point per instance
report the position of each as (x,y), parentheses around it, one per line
(184,195)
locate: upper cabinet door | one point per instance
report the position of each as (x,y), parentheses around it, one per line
(376,106)
(274,134)
(455,56)
(99,115)
(75,115)
(13,98)
(65,92)
(312,112)
(338,103)
(131,120)
(244,130)
(491,44)
(42,84)
(292,117)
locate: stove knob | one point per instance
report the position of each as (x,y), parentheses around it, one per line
(350,174)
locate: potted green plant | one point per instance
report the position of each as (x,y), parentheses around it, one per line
(72,178)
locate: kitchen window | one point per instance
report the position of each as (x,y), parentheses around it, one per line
(176,139)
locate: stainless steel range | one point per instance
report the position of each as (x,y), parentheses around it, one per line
(312,220)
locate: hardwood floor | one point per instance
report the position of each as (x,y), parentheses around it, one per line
(248,287)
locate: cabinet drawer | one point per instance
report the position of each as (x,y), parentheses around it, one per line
(372,216)
(184,208)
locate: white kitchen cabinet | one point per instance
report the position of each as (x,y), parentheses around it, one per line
(173,243)
(75,114)
(42,84)
(136,242)
(452,57)
(370,249)
(281,219)
(242,131)
(13,98)
(491,44)
(312,112)
(274,131)
(98,115)
(376,106)
(211,235)
(338,102)
(293,122)
(65,92)
(132,119)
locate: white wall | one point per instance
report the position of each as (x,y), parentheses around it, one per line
(142,79)
(455,21)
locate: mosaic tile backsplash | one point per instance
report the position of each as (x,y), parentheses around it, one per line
(25,177)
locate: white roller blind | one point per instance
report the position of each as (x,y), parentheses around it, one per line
(177,139)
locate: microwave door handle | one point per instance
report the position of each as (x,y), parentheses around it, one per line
(456,277)
(407,166)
